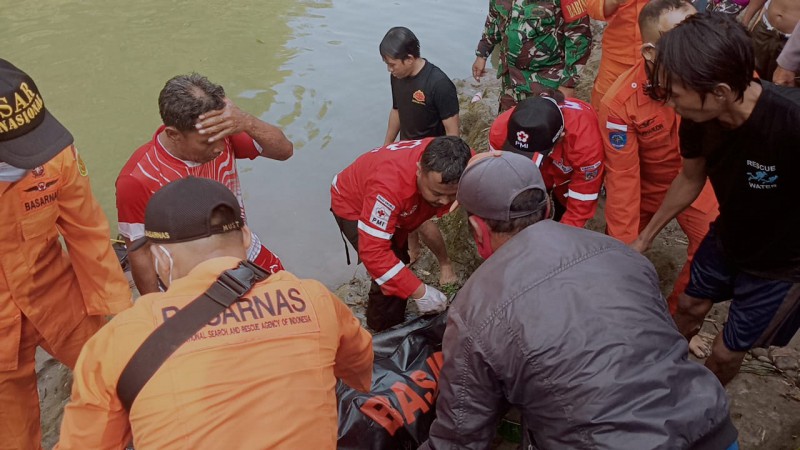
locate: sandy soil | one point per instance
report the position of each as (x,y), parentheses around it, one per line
(765,397)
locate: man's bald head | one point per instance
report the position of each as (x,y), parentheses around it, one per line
(659,16)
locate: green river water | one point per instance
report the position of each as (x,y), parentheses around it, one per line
(312,67)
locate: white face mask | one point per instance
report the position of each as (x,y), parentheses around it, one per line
(11,174)
(171,263)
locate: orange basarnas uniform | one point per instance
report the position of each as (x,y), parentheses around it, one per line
(622,43)
(262,374)
(50,297)
(642,158)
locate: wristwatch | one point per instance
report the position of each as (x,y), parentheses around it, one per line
(481,54)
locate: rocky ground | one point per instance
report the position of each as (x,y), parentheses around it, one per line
(765,397)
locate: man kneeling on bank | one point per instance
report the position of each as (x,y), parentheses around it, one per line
(260,373)
(569,326)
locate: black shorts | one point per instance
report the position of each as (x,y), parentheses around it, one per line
(763,312)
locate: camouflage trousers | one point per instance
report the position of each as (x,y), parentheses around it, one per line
(517,85)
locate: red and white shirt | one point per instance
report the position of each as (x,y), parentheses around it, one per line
(379,190)
(574,170)
(151,167)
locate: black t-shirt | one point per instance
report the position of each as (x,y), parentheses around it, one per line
(423,101)
(755,172)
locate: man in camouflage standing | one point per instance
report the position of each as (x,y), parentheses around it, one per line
(542,45)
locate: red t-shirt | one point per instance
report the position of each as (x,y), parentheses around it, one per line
(151,167)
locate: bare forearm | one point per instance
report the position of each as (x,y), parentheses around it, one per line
(393,129)
(452,126)
(273,142)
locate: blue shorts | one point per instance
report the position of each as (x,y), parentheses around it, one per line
(763,312)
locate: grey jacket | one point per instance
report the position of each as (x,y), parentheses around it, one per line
(789,58)
(569,326)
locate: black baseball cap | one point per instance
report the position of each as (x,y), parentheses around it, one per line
(534,127)
(181,212)
(29,135)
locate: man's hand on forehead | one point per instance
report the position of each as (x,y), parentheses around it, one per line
(224,122)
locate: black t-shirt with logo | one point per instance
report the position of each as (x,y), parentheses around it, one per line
(755,172)
(423,101)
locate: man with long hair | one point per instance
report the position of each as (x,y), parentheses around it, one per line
(742,134)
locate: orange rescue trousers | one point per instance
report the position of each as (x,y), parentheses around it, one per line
(19,413)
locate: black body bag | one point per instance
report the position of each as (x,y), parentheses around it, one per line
(398,411)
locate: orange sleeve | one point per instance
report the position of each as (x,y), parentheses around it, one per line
(354,356)
(595,9)
(94,417)
(623,180)
(86,233)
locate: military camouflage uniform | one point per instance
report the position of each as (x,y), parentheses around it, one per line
(538,49)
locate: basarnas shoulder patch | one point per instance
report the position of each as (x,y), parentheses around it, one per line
(381,212)
(82,169)
(617,132)
(618,139)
